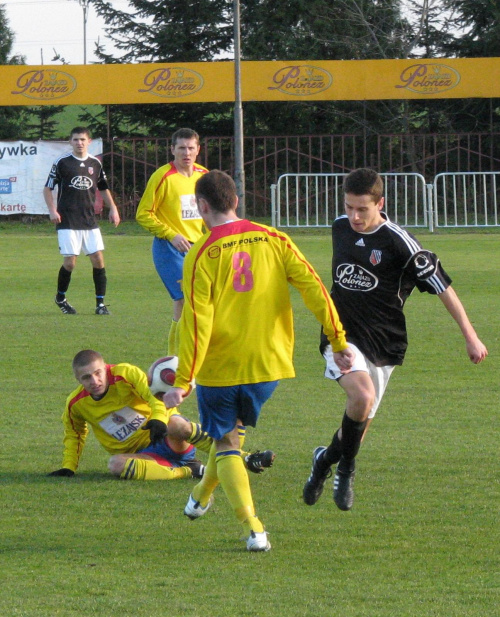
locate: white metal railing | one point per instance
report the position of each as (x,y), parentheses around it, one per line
(315,200)
(466,199)
(461,199)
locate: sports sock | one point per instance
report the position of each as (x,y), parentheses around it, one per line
(202,441)
(207,485)
(100,280)
(234,480)
(352,432)
(332,454)
(63,281)
(198,438)
(146,469)
(172,339)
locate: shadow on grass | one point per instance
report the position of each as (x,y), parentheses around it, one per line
(23,477)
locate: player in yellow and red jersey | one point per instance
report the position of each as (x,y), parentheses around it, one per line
(168,210)
(146,441)
(237,336)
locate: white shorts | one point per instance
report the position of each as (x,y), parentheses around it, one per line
(380,374)
(72,241)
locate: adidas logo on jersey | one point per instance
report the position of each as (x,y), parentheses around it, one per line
(360,242)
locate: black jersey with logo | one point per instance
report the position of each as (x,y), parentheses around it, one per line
(77,181)
(373,275)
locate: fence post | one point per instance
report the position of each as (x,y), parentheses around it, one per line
(430,206)
(273,205)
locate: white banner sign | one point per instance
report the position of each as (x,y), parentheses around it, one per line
(24,169)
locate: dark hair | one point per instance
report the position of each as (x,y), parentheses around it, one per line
(185,134)
(79,130)
(365,182)
(84,357)
(218,189)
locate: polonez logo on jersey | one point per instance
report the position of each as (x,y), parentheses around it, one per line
(355,278)
(82,183)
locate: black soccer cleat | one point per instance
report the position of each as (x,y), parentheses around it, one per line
(343,491)
(316,481)
(102,309)
(258,461)
(65,307)
(197,468)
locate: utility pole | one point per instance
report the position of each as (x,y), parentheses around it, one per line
(239,162)
(85,7)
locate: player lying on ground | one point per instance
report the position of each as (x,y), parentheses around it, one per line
(146,441)
(376,265)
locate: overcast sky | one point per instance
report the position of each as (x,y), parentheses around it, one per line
(40,26)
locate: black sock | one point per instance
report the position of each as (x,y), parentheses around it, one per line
(100,281)
(331,456)
(63,281)
(352,432)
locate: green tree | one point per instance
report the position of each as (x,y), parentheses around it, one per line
(468,29)
(165,31)
(12,118)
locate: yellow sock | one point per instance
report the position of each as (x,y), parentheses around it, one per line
(146,469)
(173,339)
(234,480)
(202,441)
(199,439)
(207,485)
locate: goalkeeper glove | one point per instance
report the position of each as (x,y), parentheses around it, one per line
(62,472)
(157,430)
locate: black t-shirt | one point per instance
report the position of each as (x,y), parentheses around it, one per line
(373,275)
(77,181)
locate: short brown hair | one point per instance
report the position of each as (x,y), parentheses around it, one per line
(218,189)
(365,181)
(84,357)
(80,130)
(185,134)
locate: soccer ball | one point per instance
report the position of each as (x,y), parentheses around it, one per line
(161,375)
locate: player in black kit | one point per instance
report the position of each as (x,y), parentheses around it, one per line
(78,176)
(376,265)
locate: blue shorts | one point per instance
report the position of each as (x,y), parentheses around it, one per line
(221,407)
(168,262)
(162,453)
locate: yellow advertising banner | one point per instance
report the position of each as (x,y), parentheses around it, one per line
(203,82)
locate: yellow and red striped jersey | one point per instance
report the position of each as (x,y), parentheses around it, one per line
(237,324)
(116,419)
(168,206)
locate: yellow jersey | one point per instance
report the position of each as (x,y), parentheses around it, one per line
(168,206)
(237,325)
(116,419)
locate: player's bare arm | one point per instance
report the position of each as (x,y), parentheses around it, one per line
(114,216)
(49,200)
(476,350)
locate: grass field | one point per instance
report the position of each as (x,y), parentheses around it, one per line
(421,541)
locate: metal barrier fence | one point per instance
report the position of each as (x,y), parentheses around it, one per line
(130,161)
(315,200)
(461,199)
(466,199)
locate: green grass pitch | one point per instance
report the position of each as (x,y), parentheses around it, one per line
(421,541)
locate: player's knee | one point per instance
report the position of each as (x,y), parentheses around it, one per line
(179,428)
(116,464)
(360,403)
